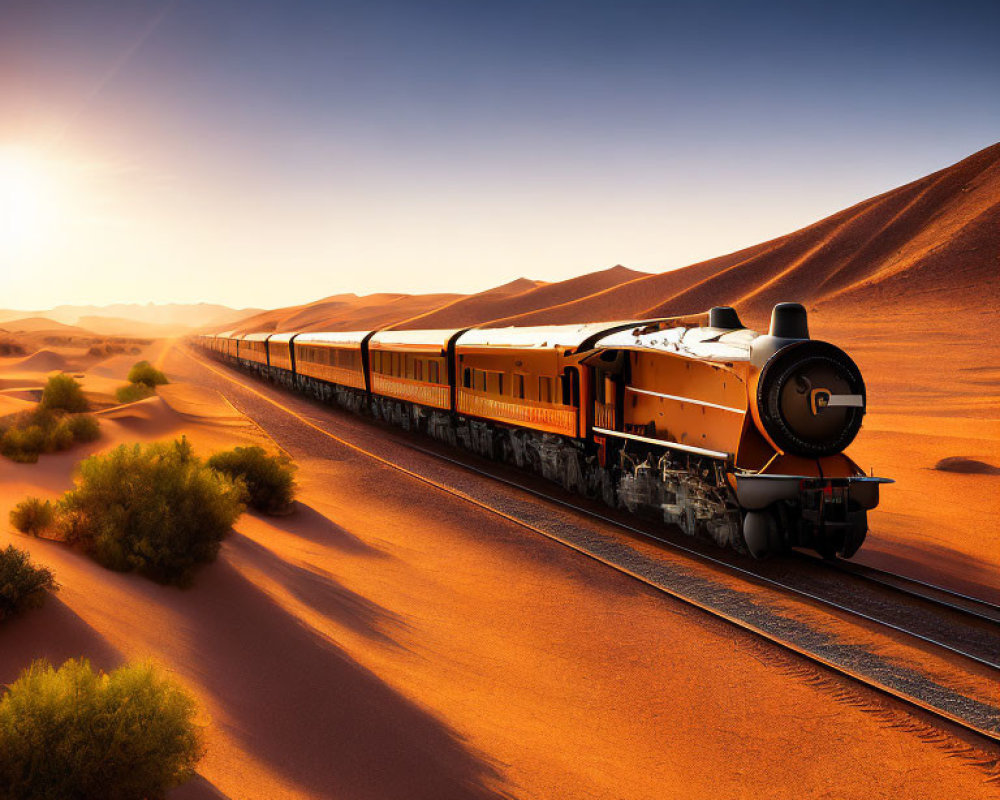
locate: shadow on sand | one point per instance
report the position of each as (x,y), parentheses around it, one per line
(316,588)
(300,704)
(313,526)
(54,632)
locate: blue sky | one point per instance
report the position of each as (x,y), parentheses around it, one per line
(268,153)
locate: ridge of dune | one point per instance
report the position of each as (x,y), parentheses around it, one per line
(42,325)
(492,306)
(346,312)
(934,239)
(43,360)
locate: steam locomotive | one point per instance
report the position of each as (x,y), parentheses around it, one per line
(710,426)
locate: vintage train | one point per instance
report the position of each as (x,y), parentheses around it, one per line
(708,425)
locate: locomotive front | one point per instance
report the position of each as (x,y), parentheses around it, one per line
(739,435)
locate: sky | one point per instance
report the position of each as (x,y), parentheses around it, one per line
(270,153)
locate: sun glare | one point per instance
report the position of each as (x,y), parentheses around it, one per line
(28,198)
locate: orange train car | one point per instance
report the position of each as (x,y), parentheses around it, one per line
(719,430)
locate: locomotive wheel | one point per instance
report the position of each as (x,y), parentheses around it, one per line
(760,533)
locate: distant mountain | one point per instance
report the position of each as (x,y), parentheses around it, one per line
(163,318)
(41,325)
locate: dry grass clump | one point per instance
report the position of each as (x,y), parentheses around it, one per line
(143,372)
(24,436)
(76,733)
(63,392)
(22,585)
(268,480)
(158,510)
(32,516)
(131,392)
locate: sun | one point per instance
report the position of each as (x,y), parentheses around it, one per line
(28,198)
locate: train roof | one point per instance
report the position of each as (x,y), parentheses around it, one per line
(226,334)
(414,340)
(256,337)
(713,344)
(332,337)
(539,337)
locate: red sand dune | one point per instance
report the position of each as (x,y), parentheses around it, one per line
(346,312)
(531,295)
(931,245)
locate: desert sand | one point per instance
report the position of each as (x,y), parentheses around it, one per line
(359,649)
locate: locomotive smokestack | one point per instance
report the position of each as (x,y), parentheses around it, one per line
(724,317)
(789,321)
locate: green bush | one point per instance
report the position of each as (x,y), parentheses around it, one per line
(32,516)
(75,733)
(84,427)
(144,372)
(63,392)
(131,392)
(22,584)
(269,482)
(24,436)
(157,510)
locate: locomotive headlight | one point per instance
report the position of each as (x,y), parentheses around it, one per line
(810,399)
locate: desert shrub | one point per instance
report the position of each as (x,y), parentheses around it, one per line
(268,479)
(144,372)
(131,392)
(95,350)
(84,427)
(63,392)
(77,733)
(22,584)
(23,442)
(157,510)
(32,516)
(25,435)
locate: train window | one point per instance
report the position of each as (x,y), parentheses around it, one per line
(500,383)
(545,389)
(433,375)
(418,369)
(518,387)
(493,384)
(408,366)
(480,380)
(467,378)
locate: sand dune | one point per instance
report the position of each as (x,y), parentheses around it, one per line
(39,361)
(485,307)
(346,312)
(930,245)
(43,325)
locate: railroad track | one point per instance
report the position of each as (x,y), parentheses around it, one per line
(973,716)
(939,595)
